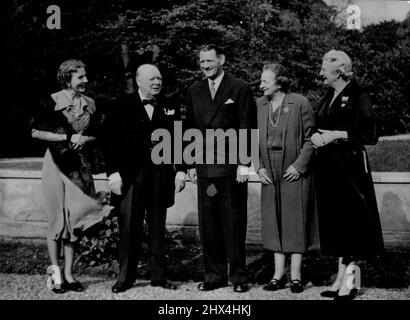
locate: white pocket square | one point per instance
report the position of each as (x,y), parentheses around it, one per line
(229,101)
(169,112)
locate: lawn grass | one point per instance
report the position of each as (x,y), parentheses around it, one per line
(391,270)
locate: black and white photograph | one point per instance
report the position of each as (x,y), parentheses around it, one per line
(208,158)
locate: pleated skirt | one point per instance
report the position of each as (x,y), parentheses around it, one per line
(70,210)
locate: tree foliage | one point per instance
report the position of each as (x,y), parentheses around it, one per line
(253,32)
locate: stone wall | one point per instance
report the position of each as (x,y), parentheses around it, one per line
(22,213)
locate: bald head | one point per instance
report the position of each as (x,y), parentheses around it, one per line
(149,80)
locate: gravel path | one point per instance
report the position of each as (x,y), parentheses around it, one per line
(22,287)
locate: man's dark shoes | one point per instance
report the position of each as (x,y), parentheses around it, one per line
(164,284)
(208,286)
(329,293)
(276,284)
(240,288)
(119,287)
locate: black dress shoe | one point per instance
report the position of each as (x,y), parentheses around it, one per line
(329,293)
(59,289)
(296,286)
(207,286)
(74,286)
(240,288)
(276,284)
(346,297)
(164,284)
(119,287)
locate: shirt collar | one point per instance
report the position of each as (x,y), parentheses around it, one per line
(143,96)
(217,81)
(64,99)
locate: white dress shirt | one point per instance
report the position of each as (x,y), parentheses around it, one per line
(216,81)
(148,107)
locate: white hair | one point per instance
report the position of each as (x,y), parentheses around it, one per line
(341,63)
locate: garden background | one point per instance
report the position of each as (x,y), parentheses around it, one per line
(113,38)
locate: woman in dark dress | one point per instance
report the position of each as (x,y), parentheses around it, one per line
(349,221)
(289,221)
(70,123)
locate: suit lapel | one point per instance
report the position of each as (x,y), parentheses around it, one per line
(157,112)
(138,106)
(204,97)
(160,108)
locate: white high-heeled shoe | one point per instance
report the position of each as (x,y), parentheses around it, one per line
(353,280)
(55,280)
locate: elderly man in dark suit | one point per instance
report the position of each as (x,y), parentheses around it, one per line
(221,102)
(141,189)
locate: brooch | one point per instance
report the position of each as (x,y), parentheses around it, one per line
(286,110)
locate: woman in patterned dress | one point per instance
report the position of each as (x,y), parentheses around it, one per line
(70,123)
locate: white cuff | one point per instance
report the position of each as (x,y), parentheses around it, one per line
(115,177)
(180,175)
(243,170)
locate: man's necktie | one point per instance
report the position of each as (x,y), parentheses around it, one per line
(213,91)
(152,102)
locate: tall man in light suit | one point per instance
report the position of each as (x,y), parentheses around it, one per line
(141,189)
(221,102)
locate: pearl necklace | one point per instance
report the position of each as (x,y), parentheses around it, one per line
(271,112)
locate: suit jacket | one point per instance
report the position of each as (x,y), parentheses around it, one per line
(299,126)
(232,108)
(128,141)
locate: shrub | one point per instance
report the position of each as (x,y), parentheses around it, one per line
(99,244)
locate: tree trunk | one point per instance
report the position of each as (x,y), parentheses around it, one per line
(129,84)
